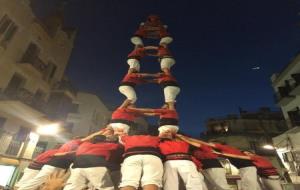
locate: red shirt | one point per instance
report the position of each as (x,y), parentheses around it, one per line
(140,141)
(170,147)
(229,149)
(167,113)
(45,156)
(205,152)
(98,149)
(133,78)
(261,162)
(137,53)
(164,51)
(166,78)
(72,145)
(124,113)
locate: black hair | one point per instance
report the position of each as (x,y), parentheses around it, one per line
(98,138)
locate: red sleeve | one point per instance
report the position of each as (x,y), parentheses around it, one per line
(228,149)
(159,111)
(128,110)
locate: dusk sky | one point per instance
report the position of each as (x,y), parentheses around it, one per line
(216,45)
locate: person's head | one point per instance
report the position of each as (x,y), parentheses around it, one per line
(108,131)
(98,139)
(122,130)
(166,132)
(153,18)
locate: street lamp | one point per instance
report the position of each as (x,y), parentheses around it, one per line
(50,129)
(268,147)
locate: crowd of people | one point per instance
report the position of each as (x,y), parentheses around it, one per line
(113,158)
(150,162)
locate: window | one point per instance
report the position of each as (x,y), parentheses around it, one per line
(40,95)
(2,122)
(7,30)
(50,71)
(16,82)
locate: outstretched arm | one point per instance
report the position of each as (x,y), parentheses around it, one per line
(150,47)
(64,153)
(234,156)
(193,141)
(87,138)
(148,74)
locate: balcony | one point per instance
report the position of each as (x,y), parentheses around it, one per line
(66,87)
(283,96)
(294,117)
(34,65)
(25,97)
(295,88)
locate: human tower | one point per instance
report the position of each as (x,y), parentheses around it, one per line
(153,29)
(152,162)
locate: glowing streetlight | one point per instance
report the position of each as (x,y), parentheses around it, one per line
(269,147)
(50,129)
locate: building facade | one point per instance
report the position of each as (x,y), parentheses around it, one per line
(93,114)
(250,131)
(33,58)
(286,85)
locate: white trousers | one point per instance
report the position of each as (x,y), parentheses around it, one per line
(217,178)
(166,40)
(170,93)
(27,175)
(129,92)
(40,178)
(271,184)
(137,41)
(134,64)
(186,169)
(97,177)
(248,177)
(147,169)
(167,63)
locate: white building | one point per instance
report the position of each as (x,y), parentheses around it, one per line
(93,114)
(286,85)
(33,58)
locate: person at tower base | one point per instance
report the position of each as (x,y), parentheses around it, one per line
(212,169)
(35,166)
(247,169)
(124,117)
(269,177)
(142,163)
(178,162)
(152,28)
(59,162)
(128,83)
(168,116)
(91,163)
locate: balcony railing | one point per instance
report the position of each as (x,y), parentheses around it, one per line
(24,96)
(36,62)
(65,85)
(283,96)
